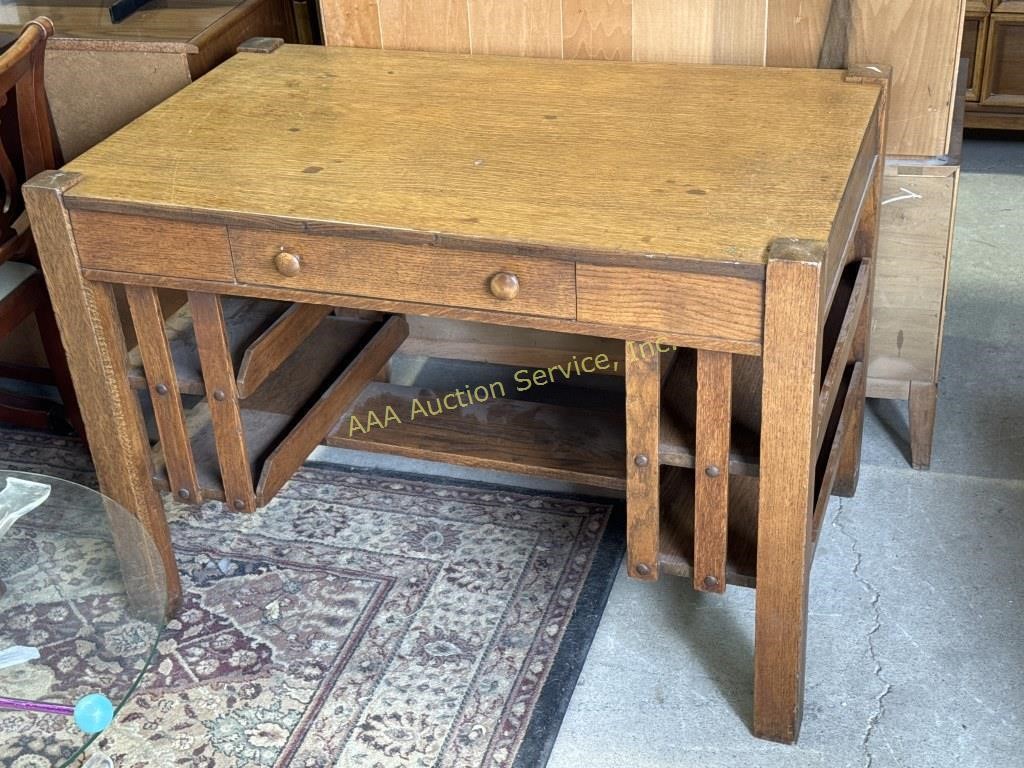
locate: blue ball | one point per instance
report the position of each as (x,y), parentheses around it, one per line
(93,713)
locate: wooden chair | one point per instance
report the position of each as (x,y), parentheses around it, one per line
(27,147)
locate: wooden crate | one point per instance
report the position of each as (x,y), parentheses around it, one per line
(916,225)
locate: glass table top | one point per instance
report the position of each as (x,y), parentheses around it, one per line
(91,606)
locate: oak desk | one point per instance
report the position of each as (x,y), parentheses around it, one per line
(737,220)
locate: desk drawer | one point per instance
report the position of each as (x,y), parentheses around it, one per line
(414,273)
(671,302)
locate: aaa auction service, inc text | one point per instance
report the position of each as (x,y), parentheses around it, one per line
(523,380)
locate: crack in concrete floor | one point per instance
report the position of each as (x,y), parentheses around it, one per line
(876,595)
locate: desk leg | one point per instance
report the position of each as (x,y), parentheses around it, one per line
(91,330)
(792,343)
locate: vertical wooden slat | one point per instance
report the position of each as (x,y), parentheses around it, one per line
(521,28)
(699,31)
(792,354)
(163,391)
(91,329)
(425,25)
(866,247)
(643,404)
(711,470)
(597,29)
(795,32)
(222,397)
(350,22)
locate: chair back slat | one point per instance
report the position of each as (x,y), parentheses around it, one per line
(27,145)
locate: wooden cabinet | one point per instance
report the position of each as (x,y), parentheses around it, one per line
(993,44)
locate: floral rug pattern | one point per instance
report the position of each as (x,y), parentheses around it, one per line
(360,620)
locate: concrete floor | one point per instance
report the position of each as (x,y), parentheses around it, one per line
(916,641)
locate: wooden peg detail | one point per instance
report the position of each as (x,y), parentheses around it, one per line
(643,406)
(711,470)
(162,381)
(222,397)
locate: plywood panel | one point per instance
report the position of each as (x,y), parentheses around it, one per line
(597,29)
(920,39)
(520,28)
(699,31)
(350,22)
(913,251)
(795,31)
(424,25)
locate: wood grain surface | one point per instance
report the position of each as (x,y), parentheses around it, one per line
(597,29)
(920,39)
(515,141)
(414,273)
(711,470)
(219,378)
(699,31)
(164,393)
(792,363)
(523,28)
(643,406)
(557,442)
(153,246)
(728,308)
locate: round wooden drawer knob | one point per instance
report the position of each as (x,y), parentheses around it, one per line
(287,264)
(505,286)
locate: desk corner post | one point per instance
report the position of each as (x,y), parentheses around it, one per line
(90,328)
(792,363)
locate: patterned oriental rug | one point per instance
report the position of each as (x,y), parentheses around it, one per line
(363,620)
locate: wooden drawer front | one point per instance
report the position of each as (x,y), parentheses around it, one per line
(973,49)
(680,303)
(149,246)
(1003,79)
(413,273)
(910,276)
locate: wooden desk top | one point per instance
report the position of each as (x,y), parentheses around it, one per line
(697,162)
(168,20)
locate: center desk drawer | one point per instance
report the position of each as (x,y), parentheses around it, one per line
(422,274)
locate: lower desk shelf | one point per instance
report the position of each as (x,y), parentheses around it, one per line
(556,441)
